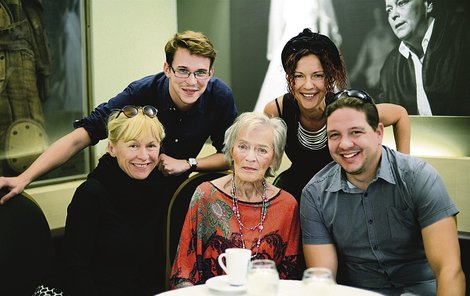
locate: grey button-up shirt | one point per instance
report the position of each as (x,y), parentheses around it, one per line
(377,232)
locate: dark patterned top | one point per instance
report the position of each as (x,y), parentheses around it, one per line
(211,227)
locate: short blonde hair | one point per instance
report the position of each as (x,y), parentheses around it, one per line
(128,129)
(251,120)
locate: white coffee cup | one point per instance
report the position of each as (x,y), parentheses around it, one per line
(236,265)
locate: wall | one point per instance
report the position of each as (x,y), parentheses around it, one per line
(127,41)
(213,19)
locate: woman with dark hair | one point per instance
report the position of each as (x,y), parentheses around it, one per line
(315,71)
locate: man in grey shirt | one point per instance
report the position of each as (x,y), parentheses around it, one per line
(379,219)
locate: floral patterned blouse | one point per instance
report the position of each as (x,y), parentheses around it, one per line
(211,226)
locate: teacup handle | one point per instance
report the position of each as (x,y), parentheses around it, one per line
(221,263)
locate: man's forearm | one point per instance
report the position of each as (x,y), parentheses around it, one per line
(57,154)
(451,283)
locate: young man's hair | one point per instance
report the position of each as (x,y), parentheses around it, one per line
(196,42)
(369,109)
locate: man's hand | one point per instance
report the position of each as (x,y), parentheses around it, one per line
(13,186)
(171,166)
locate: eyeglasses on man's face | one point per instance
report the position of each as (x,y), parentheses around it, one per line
(131,111)
(351,93)
(184,73)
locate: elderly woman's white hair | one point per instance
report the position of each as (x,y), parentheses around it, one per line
(251,120)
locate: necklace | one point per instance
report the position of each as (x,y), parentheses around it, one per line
(311,140)
(236,211)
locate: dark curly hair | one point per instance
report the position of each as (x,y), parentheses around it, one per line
(320,45)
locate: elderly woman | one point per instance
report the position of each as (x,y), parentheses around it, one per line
(241,209)
(112,231)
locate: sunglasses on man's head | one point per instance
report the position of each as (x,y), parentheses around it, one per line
(351,93)
(131,111)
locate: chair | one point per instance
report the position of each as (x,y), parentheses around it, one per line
(277,178)
(176,214)
(26,249)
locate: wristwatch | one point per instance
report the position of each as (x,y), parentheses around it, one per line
(192,164)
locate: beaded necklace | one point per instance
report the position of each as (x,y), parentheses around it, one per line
(312,140)
(236,211)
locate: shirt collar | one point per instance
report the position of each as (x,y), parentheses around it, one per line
(385,172)
(427,36)
(406,51)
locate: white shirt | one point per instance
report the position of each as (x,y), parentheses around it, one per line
(422,99)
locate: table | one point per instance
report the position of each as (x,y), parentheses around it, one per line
(286,287)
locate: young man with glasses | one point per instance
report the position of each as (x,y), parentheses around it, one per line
(192,106)
(379,219)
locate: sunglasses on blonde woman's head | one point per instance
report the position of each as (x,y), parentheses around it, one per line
(131,111)
(351,93)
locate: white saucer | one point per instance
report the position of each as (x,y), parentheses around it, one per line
(220,284)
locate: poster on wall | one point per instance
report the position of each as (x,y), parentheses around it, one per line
(42,81)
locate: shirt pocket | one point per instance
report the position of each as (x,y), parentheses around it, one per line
(402,224)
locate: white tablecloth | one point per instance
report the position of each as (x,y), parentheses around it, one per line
(286,287)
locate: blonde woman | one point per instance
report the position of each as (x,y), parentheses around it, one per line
(112,235)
